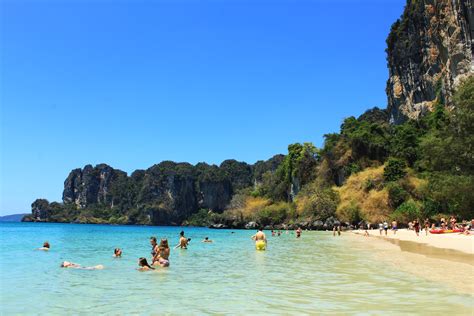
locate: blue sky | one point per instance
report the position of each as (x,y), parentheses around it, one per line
(132,83)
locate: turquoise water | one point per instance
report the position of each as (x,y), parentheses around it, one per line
(315,274)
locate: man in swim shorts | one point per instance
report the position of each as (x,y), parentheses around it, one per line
(260,239)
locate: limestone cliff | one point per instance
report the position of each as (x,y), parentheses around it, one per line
(166,193)
(429,51)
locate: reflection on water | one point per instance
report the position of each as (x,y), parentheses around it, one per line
(317,273)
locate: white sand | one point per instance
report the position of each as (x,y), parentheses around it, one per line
(453,241)
(457,275)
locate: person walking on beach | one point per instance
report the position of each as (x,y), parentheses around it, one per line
(394,227)
(183,241)
(380,228)
(385,227)
(427,226)
(416,225)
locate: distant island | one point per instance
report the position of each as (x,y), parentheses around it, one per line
(413,160)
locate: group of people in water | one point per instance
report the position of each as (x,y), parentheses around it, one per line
(160,253)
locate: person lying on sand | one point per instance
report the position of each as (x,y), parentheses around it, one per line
(207,240)
(45,247)
(144,266)
(67,264)
(117,253)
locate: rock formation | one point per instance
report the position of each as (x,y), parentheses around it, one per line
(429,52)
(166,193)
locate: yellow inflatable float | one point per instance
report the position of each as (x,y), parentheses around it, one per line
(260,245)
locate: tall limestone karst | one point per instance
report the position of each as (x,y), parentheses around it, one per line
(429,51)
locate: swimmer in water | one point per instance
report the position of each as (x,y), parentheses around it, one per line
(183,241)
(67,264)
(144,266)
(162,255)
(207,240)
(298,233)
(45,247)
(117,253)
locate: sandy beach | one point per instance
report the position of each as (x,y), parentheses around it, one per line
(454,241)
(446,259)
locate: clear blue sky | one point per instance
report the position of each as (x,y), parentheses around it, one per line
(132,83)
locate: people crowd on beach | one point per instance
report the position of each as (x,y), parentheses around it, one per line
(465,227)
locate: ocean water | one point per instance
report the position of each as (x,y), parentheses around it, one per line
(316,274)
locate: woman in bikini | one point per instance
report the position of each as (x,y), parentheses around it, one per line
(162,254)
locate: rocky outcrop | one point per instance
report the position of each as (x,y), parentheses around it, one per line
(90,185)
(429,52)
(164,194)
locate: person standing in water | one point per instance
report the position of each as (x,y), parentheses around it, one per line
(162,254)
(260,240)
(154,247)
(298,232)
(183,241)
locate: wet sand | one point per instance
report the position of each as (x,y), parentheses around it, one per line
(453,241)
(449,266)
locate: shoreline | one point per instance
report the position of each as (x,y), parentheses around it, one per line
(449,262)
(453,241)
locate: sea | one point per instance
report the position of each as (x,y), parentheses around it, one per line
(316,274)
